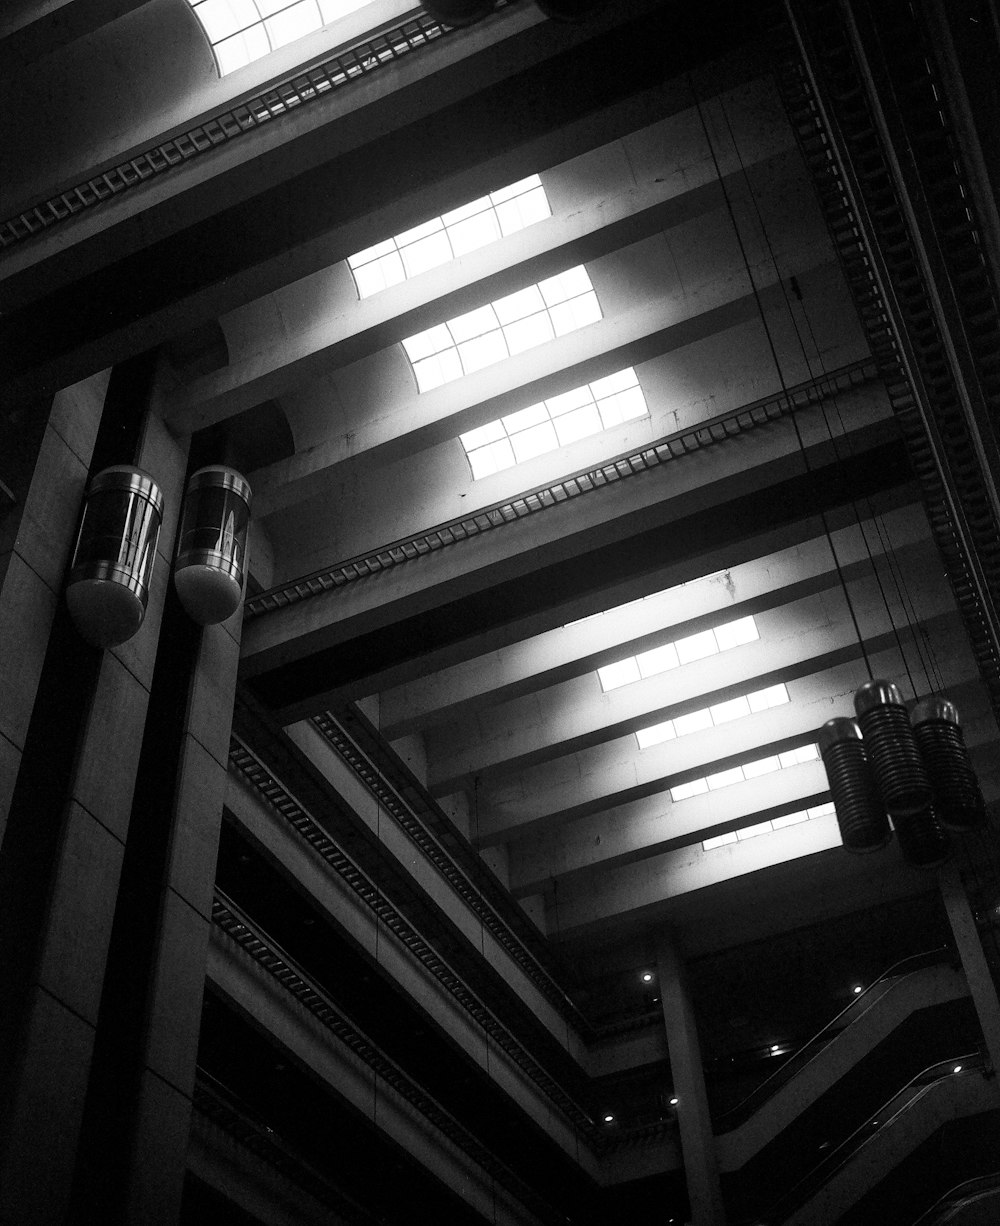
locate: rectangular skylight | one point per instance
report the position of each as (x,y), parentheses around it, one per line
(453,234)
(242,31)
(510,325)
(720,713)
(683,651)
(740,774)
(554,423)
(776,823)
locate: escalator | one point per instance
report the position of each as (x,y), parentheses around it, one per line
(916,1016)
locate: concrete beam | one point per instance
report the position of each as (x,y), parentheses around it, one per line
(454,695)
(797,638)
(653,825)
(695,491)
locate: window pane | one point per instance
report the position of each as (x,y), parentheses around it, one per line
(763,766)
(475,233)
(656,734)
(696,647)
(685,790)
(472,323)
(696,721)
(826,810)
(491,459)
(610,385)
(657,660)
(482,351)
(751,832)
(577,313)
(735,708)
(565,402)
(387,247)
(533,415)
(624,407)
(773,696)
(581,423)
(790,819)
(724,779)
(434,340)
(529,443)
(736,633)
(233,54)
(428,253)
(622,673)
(527,301)
(527,333)
(466,211)
(427,228)
(291,24)
(220,18)
(515,189)
(720,840)
(482,435)
(565,285)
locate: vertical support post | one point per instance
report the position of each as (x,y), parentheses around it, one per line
(82,713)
(970,950)
(697,1139)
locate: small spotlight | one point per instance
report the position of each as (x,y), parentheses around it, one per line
(609,1118)
(775,1047)
(647,976)
(957,1068)
(858,989)
(673,1102)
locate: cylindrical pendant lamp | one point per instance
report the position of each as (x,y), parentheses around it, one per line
(860,814)
(896,763)
(210,566)
(922,839)
(109,576)
(958,801)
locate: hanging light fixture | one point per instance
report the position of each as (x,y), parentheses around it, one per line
(112,564)
(210,566)
(860,813)
(958,800)
(922,839)
(896,764)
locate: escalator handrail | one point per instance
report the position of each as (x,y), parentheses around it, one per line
(832,1162)
(737,1115)
(955,1195)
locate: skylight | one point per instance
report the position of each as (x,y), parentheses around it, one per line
(242,31)
(720,713)
(490,333)
(683,651)
(741,774)
(776,823)
(554,423)
(449,236)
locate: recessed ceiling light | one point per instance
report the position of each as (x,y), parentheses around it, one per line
(673,1102)
(647,976)
(957,1068)
(858,989)
(775,1047)
(609,1118)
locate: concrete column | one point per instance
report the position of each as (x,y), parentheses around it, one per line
(132,1158)
(970,950)
(697,1140)
(82,713)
